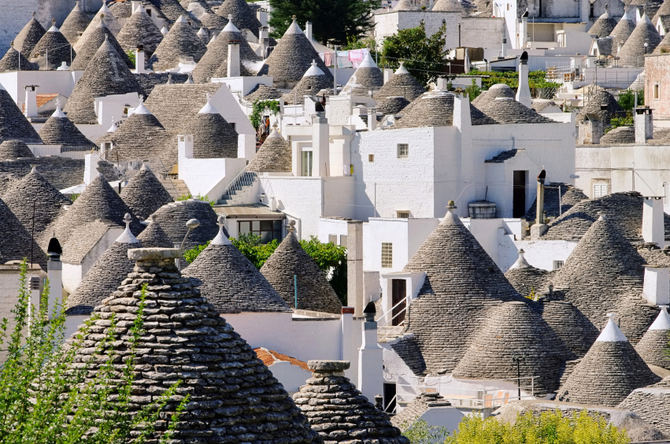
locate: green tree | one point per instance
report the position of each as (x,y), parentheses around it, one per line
(473,90)
(46,398)
(423,56)
(546,428)
(333,20)
(420,432)
(627,99)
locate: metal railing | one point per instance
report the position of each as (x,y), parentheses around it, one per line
(382,318)
(242,180)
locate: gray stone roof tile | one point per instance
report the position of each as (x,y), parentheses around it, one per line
(53,48)
(224,410)
(263,92)
(241,13)
(173,104)
(144,194)
(506,110)
(314,291)
(213,136)
(402,84)
(309,85)
(479,118)
(172,10)
(105,16)
(652,404)
(416,409)
(525,278)
(61,172)
(140,29)
(502,156)
(230,281)
(653,345)
(154,236)
(643,40)
(623,29)
(16,243)
(431,109)
(515,328)
(106,74)
(28,37)
(462,282)
(92,42)
(13,60)
(59,130)
(495,91)
(349,417)
(391,105)
(570,196)
(619,136)
(75,24)
(13,124)
(14,149)
(367,77)
(604,26)
(77,248)
(173,217)
(274,155)
(575,329)
(182,41)
(664,10)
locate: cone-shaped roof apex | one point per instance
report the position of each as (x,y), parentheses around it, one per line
(611,332)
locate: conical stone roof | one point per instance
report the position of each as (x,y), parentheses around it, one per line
(608,373)
(215,60)
(59,130)
(477,117)
(291,58)
(596,103)
(13,124)
(144,194)
(506,110)
(263,92)
(367,77)
(289,260)
(13,149)
(173,10)
(600,270)
(575,329)
(404,5)
(241,14)
(154,236)
(525,278)
(155,142)
(447,6)
(182,41)
(623,29)
(52,50)
(654,344)
(402,84)
(106,74)
(99,201)
(495,91)
(140,29)
(92,43)
(194,339)
(663,10)
(213,136)
(75,24)
(462,282)
(604,26)
(515,329)
(274,155)
(633,51)
(635,314)
(391,105)
(16,243)
(230,281)
(105,275)
(431,109)
(173,218)
(201,10)
(652,404)
(103,15)
(311,84)
(33,200)
(345,417)
(28,37)
(13,60)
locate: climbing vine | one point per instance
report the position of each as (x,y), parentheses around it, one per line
(259,108)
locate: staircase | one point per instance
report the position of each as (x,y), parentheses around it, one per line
(238,187)
(176,187)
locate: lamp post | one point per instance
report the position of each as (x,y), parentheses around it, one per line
(517,360)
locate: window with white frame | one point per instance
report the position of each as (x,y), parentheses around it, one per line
(403,150)
(558,265)
(387,255)
(600,189)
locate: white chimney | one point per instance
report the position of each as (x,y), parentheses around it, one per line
(349,349)
(355,285)
(370,379)
(139,60)
(308,31)
(55,275)
(91,167)
(388,73)
(644,125)
(523,92)
(653,224)
(233,59)
(135,5)
(184,148)
(656,285)
(372,119)
(31,100)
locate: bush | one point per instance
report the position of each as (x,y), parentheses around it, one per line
(199,197)
(545,428)
(45,398)
(627,99)
(422,433)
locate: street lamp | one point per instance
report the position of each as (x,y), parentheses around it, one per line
(517,359)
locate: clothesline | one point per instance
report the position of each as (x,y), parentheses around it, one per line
(345,59)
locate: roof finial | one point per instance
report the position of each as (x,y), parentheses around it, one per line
(153,218)
(602,215)
(33,168)
(11,44)
(33,13)
(127,219)
(141,99)
(53,22)
(209,97)
(313,62)
(169,80)
(291,224)
(221,238)
(230,17)
(127,236)
(451,205)
(189,81)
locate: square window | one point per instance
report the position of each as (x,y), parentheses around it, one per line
(403,150)
(343,240)
(371,157)
(402,214)
(558,265)
(599,190)
(387,255)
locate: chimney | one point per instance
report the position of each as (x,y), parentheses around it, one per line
(233,59)
(644,125)
(135,5)
(355,290)
(308,31)
(372,119)
(320,145)
(370,379)
(31,100)
(55,274)
(523,92)
(653,229)
(349,349)
(388,73)
(590,129)
(184,148)
(656,288)
(263,40)
(139,60)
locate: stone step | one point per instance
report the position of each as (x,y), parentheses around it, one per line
(176,187)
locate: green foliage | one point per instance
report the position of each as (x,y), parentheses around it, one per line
(627,99)
(45,398)
(422,433)
(331,258)
(260,107)
(423,56)
(199,197)
(334,21)
(473,90)
(546,428)
(616,122)
(131,56)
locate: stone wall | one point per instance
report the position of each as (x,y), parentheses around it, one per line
(657,72)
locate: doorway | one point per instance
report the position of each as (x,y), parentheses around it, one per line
(399,301)
(519,193)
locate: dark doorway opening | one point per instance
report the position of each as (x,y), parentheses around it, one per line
(399,293)
(389,397)
(519,193)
